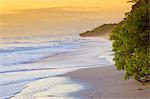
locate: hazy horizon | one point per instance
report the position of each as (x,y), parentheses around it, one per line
(34,17)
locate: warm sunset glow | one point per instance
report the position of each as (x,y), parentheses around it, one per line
(32,4)
(58,16)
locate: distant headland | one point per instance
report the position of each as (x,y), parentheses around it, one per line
(103,30)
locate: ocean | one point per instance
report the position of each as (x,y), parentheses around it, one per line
(28,60)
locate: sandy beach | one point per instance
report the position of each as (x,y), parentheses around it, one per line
(83,70)
(107,83)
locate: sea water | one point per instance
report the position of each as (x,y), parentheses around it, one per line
(25,61)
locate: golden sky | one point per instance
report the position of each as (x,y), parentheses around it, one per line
(58,16)
(31,4)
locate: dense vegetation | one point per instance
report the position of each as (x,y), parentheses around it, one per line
(104,29)
(131,42)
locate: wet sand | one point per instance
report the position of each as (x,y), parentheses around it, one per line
(107,83)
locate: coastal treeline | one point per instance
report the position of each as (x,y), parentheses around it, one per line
(103,30)
(131,42)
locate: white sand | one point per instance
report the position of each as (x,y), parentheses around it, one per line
(107,83)
(49,88)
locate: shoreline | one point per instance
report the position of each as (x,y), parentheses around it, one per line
(94,80)
(86,83)
(107,83)
(82,53)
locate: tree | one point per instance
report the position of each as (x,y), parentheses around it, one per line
(131,42)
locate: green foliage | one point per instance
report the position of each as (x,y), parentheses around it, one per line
(104,29)
(131,43)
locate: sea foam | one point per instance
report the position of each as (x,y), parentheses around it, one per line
(25,61)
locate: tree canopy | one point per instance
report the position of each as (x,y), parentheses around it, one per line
(131,42)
